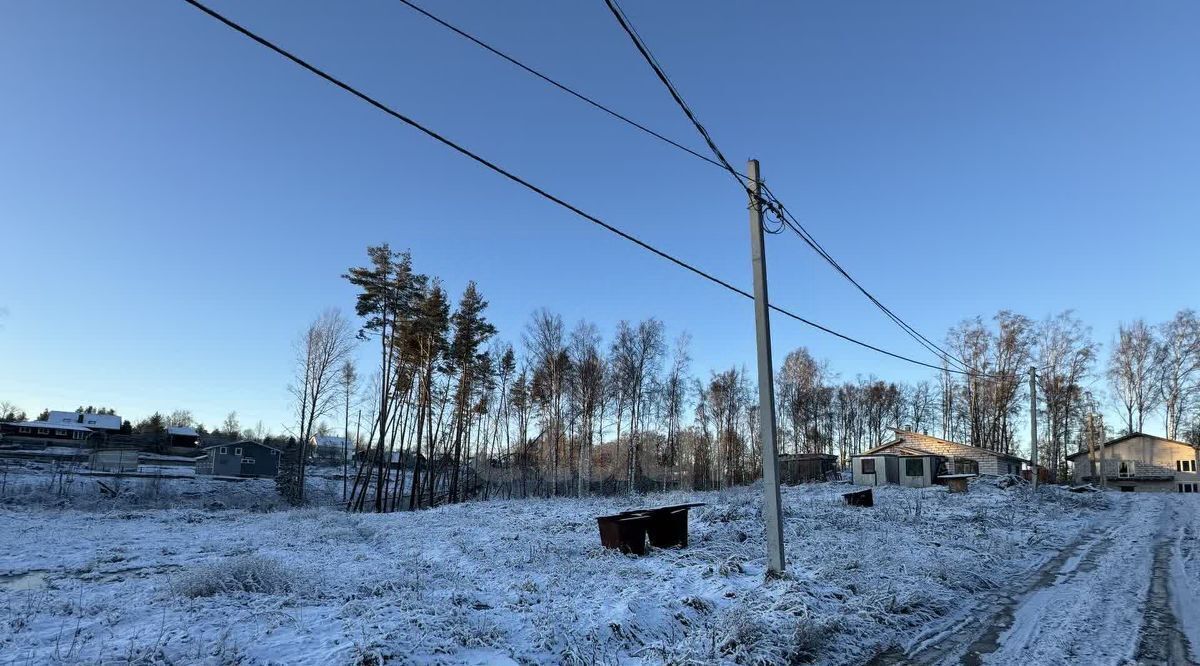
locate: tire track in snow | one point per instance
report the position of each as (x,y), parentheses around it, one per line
(979,630)
(1161,640)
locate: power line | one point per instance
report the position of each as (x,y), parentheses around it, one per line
(534,188)
(561,86)
(774,203)
(790,221)
(780,211)
(666,81)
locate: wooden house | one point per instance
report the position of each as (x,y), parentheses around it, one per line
(244,458)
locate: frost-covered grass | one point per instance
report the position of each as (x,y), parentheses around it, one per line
(525,581)
(36,484)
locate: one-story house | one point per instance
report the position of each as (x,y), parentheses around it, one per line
(897,466)
(244,458)
(44,433)
(1138,462)
(106,423)
(183,436)
(960,458)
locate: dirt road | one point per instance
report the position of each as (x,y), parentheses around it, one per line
(1124,593)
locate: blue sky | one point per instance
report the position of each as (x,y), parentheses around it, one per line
(178,202)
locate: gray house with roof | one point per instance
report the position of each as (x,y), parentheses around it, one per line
(245,458)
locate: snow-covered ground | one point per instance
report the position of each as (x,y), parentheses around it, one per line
(520,581)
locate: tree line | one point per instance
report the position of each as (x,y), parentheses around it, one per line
(452,412)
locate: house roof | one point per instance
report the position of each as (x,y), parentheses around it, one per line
(182,431)
(240,442)
(327,440)
(102,421)
(895,449)
(50,425)
(1122,438)
(908,435)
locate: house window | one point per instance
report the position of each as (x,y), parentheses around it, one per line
(22,429)
(78,435)
(966,466)
(914,467)
(237,451)
(224,450)
(868,465)
(43,431)
(60,433)
(1126,469)
(1188,487)
(247,461)
(1185,465)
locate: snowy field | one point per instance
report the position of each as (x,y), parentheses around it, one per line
(509,581)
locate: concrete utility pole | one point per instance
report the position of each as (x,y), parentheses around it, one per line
(1033,446)
(766,384)
(1091,443)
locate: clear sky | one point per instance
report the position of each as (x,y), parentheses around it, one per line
(177,202)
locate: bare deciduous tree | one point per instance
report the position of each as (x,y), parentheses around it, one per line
(1133,373)
(1179,369)
(321,350)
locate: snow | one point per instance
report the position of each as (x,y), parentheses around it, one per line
(101,421)
(49,425)
(512,581)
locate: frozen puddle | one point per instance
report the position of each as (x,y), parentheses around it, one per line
(23,582)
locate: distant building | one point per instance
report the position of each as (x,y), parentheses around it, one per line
(804,467)
(183,436)
(107,423)
(907,467)
(40,434)
(917,460)
(245,458)
(325,447)
(960,458)
(1140,462)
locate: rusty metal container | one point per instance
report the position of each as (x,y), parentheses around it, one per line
(860,498)
(626,533)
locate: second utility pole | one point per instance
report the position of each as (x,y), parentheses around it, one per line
(766,384)
(1033,442)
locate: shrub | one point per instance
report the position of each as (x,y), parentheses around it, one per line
(242,574)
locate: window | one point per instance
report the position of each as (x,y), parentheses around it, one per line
(1185,465)
(43,431)
(914,467)
(237,451)
(868,465)
(247,461)
(224,450)
(60,433)
(78,435)
(1126,469)
(1189,487)
(23,429)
